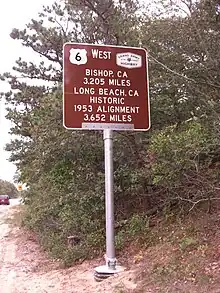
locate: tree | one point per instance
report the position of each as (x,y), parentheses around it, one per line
(8,188)
(64,170)
(186,86)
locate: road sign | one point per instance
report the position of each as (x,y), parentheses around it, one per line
(105,87)
(19,187)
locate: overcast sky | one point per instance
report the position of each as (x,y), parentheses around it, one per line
(13,13)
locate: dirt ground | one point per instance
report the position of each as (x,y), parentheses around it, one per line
(24,269)
(183,257)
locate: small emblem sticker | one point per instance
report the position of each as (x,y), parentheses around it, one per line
(129,60)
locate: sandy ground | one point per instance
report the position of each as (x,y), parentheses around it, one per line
(23,268)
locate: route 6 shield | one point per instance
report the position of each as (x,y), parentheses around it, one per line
(78,56)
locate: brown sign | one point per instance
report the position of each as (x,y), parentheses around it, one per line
(105,87)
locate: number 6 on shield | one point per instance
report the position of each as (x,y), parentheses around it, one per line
(78,56)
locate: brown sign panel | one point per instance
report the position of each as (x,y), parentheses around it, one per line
(105,87)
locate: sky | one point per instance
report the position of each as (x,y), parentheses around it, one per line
(13,14)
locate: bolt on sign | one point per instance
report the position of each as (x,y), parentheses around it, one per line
(105,87)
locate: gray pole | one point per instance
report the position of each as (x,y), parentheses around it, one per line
(109,200)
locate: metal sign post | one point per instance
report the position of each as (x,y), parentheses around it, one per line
(111,267)
(109,200)
(106,88)
(103,272)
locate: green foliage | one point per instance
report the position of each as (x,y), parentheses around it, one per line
(8,188)
(136,226)
(120,239)
(187,242)
(177,151)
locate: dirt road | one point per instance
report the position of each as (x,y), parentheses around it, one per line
(7,252)
(24,269)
